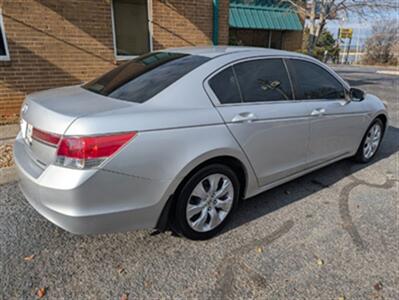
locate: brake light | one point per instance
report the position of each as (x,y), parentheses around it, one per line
(45,137)
(90,151)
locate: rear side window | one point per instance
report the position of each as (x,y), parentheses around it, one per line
(144,77)
(313,82)
(263,80)
(225,87)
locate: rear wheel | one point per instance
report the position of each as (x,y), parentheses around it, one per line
(371,142)
(206,202)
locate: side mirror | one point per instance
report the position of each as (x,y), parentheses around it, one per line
(356,94)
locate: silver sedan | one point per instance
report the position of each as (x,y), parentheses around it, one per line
(176,138)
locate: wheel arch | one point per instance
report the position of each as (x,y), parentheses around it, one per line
(241,169)
(384,120)
(382,117)
(233,162)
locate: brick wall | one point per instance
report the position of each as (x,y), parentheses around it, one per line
(62,42)
(292,40)
(187,23)
(52,43)
(286,40)
(250,37)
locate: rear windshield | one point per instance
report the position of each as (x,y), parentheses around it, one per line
(142,78)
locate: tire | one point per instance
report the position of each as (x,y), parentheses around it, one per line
(361,155)
(209,211)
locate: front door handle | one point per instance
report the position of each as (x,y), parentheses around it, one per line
(318,112)
(244,117)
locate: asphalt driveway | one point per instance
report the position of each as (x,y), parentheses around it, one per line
(332,234)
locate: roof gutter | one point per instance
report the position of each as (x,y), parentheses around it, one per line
(215,34)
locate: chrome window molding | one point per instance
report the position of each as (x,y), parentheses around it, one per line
(217,103)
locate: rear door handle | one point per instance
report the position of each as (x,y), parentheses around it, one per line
(318,112)
(244,117)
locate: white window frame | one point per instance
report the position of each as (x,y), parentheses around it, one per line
(150,33)
(4,37)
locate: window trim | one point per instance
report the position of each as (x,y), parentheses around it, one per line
(150,32)
(339,80)
(289,79)
(5,57)
(213,93)
(215,99)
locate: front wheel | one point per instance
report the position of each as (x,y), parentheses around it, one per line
(206,202)
(371,142)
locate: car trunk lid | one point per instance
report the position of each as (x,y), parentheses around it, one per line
(53,111)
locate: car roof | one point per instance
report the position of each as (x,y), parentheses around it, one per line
(215,51)
(247,52)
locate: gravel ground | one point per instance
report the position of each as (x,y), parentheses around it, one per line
(332,234)
(6,156)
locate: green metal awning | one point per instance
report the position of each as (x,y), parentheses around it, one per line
(263,17)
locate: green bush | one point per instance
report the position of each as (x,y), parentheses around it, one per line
(326,47)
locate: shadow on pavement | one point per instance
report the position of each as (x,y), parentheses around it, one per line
(311,183)
(369,81)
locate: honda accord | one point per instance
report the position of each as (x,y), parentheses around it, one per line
(176,138)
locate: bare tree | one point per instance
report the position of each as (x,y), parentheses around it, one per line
(319,11)
(382,46)
(395,53)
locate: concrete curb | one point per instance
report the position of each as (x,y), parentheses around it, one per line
(8,132)
(7,136)
(388,72)
(8,175)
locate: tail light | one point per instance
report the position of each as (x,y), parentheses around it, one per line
(89,151)
(45,137)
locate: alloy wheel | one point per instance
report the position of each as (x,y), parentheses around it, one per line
(210,202)
(372,141)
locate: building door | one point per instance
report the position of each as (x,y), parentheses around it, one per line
(275,39)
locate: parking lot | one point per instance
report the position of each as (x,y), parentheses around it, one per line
(332,234)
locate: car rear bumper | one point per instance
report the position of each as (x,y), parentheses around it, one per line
(90,201)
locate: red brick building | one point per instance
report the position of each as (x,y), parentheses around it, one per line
(49,43)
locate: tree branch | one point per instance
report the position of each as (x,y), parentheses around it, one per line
(297,6)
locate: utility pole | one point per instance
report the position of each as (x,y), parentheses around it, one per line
(339,43)
(357,46)
(343,52)
(348,50)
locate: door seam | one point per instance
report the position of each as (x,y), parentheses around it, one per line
(239,145)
